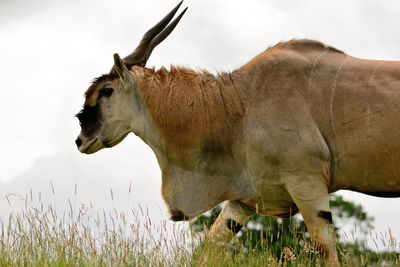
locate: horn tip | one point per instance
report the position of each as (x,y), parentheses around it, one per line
(178,5)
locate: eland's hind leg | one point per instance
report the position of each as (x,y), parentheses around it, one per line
(228,223)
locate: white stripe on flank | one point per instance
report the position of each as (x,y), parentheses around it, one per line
(369,87)
(312,71)
(333,90)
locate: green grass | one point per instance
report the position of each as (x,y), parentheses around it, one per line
(37,235)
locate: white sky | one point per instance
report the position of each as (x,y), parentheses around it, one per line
(51,50)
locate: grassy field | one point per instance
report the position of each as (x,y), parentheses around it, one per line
(36,235)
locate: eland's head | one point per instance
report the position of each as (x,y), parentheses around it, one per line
(112,108)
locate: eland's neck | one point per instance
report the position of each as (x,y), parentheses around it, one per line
(186,110)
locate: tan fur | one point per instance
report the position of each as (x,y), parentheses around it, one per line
(299,121)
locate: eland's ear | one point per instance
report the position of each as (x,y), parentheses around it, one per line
(120,68)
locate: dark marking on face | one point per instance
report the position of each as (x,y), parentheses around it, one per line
(90,120)
(177,215)
(233,226)
(326,215)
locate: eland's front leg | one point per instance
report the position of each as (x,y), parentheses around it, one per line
(229,222)
(312,199)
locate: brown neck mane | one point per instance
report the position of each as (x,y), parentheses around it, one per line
(191,107)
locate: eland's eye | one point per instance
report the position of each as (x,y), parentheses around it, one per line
(107,92)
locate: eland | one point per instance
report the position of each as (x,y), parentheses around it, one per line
(275,136)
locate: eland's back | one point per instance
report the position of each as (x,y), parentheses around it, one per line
(354,103)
